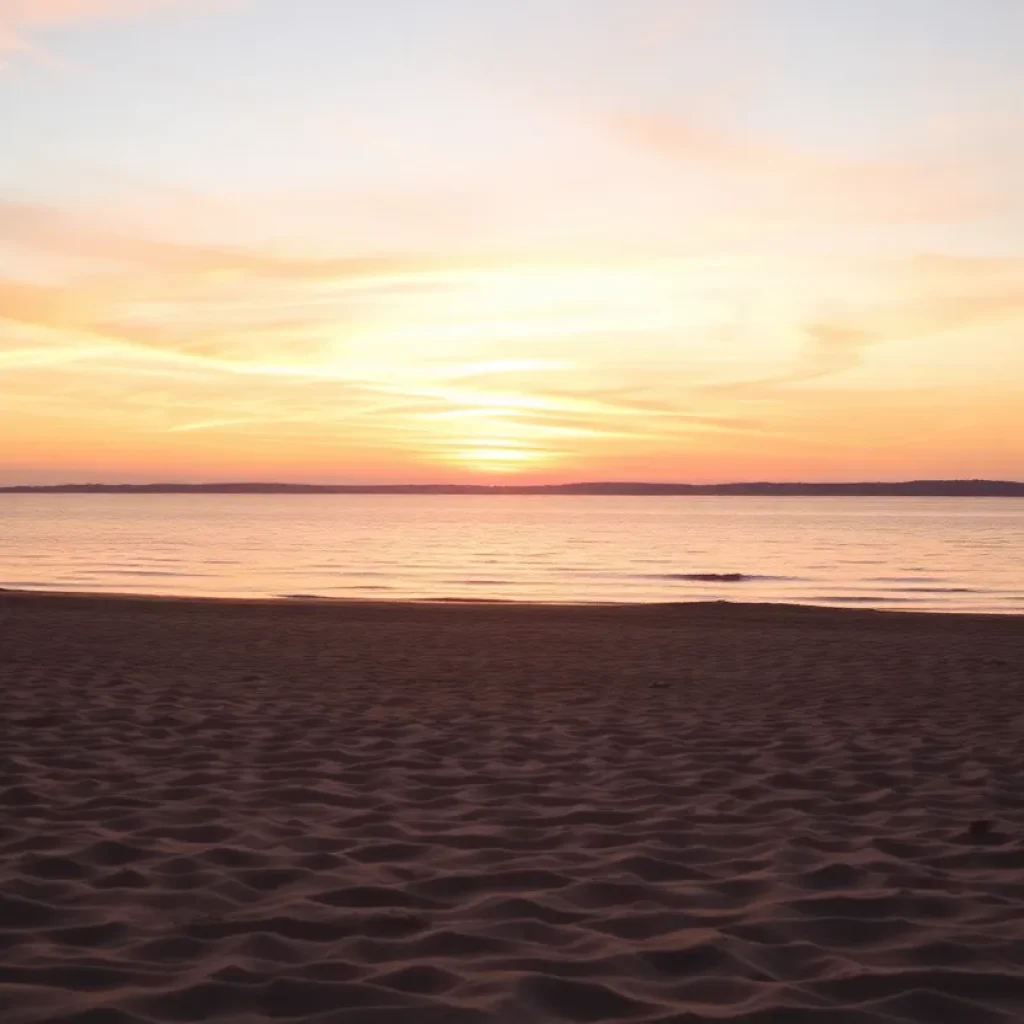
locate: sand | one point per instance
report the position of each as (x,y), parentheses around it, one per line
(451,814)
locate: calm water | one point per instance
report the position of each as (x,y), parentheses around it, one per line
(953,554)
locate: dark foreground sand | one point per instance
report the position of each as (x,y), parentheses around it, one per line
(364,814)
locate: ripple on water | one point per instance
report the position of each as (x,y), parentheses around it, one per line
(718,577)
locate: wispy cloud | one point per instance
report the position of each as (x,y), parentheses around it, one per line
(924,298)
(64,233)
(827,349)
(22,20)
(35,304)
(764,176)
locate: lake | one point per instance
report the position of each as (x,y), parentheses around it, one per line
(947,554)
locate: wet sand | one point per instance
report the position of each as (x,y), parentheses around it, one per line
(465,813)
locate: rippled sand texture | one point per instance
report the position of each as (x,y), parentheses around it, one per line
(451,814)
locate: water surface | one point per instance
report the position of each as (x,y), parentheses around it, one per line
(949,554)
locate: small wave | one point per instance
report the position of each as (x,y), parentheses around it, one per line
(331,597)
(934,590)
(344,569)
(144,572)
(715,577)
(906,579)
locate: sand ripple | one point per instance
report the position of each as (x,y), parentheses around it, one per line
(364,815)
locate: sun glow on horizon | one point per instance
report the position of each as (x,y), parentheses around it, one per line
(499,458)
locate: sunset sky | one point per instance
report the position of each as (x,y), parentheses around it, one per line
(486,240)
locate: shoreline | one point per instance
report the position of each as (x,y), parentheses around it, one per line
(741,610)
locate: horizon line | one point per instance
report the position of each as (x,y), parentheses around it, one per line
(953,486)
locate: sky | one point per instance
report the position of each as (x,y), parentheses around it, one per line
(483,241)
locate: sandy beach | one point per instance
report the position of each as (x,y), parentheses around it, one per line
(464,813)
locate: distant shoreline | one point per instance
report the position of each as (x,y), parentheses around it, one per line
(905,489)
